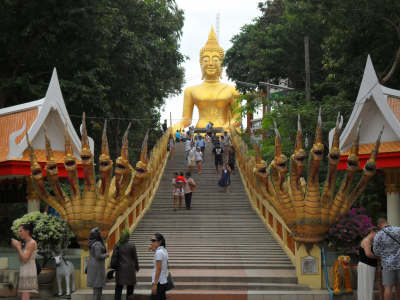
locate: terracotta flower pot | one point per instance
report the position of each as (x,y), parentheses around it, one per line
(47,275)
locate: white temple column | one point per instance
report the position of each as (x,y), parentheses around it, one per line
(392,182)
(31,197)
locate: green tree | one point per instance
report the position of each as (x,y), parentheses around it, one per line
(341,35)
(117,59)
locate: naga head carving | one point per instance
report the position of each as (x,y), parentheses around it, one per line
(141,166)
(123,166)
(280,160)
(370,166)
(36,170)
(334,153)
(318,148)
(352,160)
(86,153)
(69,158)
(51,163)
(261,167)
(105,160)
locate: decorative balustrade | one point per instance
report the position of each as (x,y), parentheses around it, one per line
(133,214)
(264,209)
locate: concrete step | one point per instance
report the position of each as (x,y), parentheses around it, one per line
(219,246)
(142,294)
(235,286)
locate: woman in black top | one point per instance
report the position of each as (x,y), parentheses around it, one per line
(367,266)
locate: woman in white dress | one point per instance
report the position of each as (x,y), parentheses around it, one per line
(28,282)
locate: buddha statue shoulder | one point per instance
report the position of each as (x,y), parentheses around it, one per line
(213,98)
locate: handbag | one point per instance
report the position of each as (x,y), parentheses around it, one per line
(192,186)
(38,267)
(170,281)
(114,258)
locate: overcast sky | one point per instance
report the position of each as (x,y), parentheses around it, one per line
(199,17)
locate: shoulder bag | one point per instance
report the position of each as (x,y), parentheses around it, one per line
(170,281)
(114,258)
(391,236)
(38,267)
(192,185)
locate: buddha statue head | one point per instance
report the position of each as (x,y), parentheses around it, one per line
(211,57)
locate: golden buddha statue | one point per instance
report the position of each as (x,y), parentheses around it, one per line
(213,98)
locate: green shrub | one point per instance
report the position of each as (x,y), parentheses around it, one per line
(51,233)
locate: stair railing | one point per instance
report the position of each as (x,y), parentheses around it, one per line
(133,214)
(245,163)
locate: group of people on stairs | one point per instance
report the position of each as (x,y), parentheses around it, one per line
(223,155)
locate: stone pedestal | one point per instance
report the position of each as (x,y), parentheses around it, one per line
(392,182)
(312,279)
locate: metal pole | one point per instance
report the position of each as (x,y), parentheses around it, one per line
(170,119)
(307,57)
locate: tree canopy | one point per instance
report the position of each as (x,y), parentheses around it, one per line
(117,59)
(341,35)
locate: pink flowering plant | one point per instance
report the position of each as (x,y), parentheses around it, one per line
(347,234)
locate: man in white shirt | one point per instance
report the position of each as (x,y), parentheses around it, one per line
(187,147)
(227,140)
(191,153)
(184,136)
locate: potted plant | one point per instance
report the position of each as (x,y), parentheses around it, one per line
(347,234)
(51,234)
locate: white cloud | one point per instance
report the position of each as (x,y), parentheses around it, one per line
(199,17)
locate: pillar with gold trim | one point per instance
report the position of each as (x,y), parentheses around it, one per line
(392,182)
(31,197)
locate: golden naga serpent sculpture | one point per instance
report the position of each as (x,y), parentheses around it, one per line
(100,204)
(306,212)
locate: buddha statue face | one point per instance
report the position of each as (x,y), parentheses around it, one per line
(211,56)
(211,64)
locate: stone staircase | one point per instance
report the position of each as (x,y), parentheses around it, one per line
(220,246)
(219,249)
